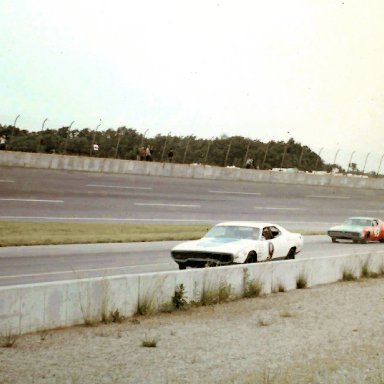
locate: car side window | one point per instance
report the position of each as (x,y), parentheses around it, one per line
(270,232)
(275,232)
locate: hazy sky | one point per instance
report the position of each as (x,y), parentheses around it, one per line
(261,69)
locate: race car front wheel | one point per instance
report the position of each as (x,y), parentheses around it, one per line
(251,258)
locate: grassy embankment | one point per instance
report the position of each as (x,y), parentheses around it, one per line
(16,233)
(34,233)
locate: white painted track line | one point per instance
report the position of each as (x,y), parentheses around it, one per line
(327,197)
(236,193)
(134,219)
(281,208)
(6,181)
(117,186)
(82,270)
(168,205)
(105,219)
(34,200)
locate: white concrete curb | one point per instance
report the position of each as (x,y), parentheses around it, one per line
(37,307)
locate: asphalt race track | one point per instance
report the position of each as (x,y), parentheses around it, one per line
(22,265)
(50,195)
(37,194)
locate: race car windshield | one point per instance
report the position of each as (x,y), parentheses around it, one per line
(358,222)
(233,232)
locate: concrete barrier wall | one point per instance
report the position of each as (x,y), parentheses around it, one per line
(91,164)
(37,307)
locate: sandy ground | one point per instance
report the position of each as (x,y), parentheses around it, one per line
(327,334)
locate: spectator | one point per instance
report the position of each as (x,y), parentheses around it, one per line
(249,163)
(170,155)
(142,153)
(148,153)
(2,142)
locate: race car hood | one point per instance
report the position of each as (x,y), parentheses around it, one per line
(226,245)
(348,228)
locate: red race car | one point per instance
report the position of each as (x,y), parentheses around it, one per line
(359,230)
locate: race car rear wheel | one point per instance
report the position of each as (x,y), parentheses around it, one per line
(382,240)
(251,258)
(334,240)
(182,266)
(291,254)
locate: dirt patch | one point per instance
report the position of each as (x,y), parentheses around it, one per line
(326,334)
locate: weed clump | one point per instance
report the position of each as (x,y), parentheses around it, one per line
(218,295)
(8,340)
(178,300)
(301,281)
(146,306)
(252,288)
(348,275)
(149,342)
(365,272)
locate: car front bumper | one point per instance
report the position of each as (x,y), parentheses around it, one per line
(201,259)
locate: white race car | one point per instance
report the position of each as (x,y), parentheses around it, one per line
(238,242)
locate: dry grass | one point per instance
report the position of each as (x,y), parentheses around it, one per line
(149,342)
(301,281)
(348,275)
(15,233)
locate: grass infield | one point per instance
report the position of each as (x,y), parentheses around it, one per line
(43,233)
(17,233)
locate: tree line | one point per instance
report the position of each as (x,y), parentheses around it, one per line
(124,143)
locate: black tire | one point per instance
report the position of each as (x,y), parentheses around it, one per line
(251,258)
(334,240)
(182,266)
(363,241)
(382,240)
(291,254)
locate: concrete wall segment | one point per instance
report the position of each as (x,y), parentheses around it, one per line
(35,307)
(79,163)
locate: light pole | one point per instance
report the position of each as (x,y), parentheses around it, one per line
(93,138)
(265,154)
(334,160)
(246,153)
(301,156)
(118,142)
(66,139)
(284,153)
(186,149)
(14,126)
(39,141)
(206,154)
(381,160)
(318,157)
(350,160)
(227,154)
(365,162)
(165,144)
(42,127)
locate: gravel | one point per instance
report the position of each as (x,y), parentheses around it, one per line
(327,334)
